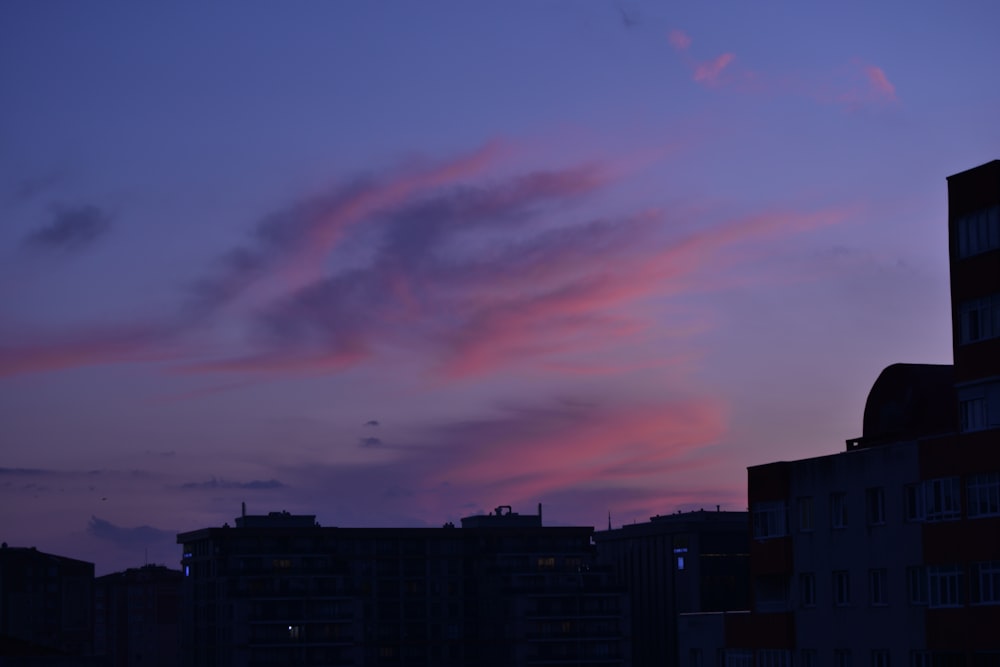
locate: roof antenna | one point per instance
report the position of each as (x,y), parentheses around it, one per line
(244,506)
(609,519)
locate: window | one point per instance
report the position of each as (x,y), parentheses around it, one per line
(916,585)
(739,658)
(841,588)
(805,510)
(979,319)
(880,658)
(769,657)
(807,657)
(973,414)
(944,585)
(978,231)
(838,510)
(986,582)
(914,497)
(984,494)
(807,589)
(941,499)
(769,520)
(841,658)
(877,587)
(875,505)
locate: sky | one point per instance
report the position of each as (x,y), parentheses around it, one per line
(393,264)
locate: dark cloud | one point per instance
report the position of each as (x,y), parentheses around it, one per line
(369,442)
(71,229)
(129,538)
(24,471)
(216,483)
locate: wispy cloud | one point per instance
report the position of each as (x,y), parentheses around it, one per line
(71,229)
(218,483)
(571,448)
(473,273)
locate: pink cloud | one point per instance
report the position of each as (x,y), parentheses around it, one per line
(880,82)
(679,40)
(708,72)
(49,353)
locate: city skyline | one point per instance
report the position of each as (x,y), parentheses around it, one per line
(397,265)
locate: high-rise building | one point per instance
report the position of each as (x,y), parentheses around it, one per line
(502,590)
(888,554)
(676,564)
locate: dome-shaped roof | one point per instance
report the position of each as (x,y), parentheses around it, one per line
(908,401)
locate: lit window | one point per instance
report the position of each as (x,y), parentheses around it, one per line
(838,510)
(984,494)
(294,631)
(878,589)
(944,585)
(769,520)
(547,563)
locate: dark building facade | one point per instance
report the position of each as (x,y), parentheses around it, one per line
(45,604)
(676,564)
(500,590)
(137,617)
(888,554)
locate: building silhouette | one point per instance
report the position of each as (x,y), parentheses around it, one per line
(888,553)
(45,608)
(674,564)
(137,617)
(502,589)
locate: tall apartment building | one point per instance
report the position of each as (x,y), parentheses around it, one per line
(502,589)
(137,617)
(676,564)
(888,554)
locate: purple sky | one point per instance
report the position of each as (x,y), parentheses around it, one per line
(398,263)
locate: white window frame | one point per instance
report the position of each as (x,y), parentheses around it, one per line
(986,579)
(983,494)
(942,499)
(944,586)
(769,520)
(979,319)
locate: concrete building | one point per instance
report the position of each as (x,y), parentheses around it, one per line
(137,617)
(888,554)
(676,564)
(501,590)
